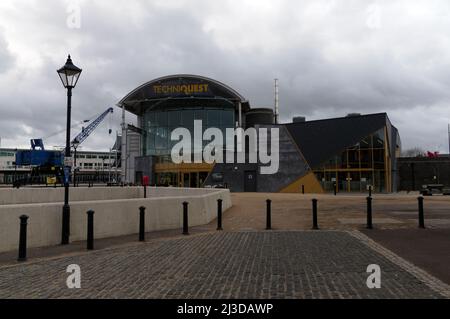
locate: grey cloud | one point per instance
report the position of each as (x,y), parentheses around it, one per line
(328,60)
(6,57)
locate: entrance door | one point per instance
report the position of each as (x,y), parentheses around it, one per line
(250,181)
(138,178)
(194,180)
(186,180)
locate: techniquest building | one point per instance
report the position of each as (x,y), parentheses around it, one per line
(346,154)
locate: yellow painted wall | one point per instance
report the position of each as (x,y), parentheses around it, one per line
(184,168)
(312,185)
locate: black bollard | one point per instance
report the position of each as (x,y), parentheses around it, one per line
(303,189)
(90,230)
(185,219)
(269,215)
(219,214)
(145,191)
(335,189)
(142,223)
(369,213)
(315,222)
(23,238)
(421,214)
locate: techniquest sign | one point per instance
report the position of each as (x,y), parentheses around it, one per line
(187,89)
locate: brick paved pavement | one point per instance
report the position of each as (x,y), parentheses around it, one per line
(291,212)
(342,212)
(290,264)
(428,249)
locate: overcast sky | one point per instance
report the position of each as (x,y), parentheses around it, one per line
(331,57)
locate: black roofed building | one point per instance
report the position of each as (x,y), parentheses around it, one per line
(348,154)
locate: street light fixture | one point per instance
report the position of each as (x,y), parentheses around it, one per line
(69,75)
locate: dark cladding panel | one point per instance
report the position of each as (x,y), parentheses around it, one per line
(292,166)
(233,176)
(320,140)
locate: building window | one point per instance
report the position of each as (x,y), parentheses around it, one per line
(357,167)
(6,154)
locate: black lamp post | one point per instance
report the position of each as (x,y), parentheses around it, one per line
(75,145)
(15,171)
(69,75)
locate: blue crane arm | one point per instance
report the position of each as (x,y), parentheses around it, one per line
(80,138)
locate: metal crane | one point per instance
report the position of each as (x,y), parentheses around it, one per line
(85,132)
(52,161)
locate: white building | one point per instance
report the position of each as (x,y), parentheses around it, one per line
(104,166)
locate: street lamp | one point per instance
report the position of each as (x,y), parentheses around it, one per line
(69,75)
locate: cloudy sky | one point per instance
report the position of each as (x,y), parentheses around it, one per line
(332,58)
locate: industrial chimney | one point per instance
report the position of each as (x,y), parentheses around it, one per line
(277,102)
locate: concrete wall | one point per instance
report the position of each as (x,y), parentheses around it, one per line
(112,217)
(417,171)
(9,196)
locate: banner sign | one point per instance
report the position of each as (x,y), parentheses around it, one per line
(66,175)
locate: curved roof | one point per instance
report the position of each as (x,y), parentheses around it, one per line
(179,86)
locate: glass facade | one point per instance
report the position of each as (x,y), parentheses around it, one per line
(159,124)
(182,179)
(358,167)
